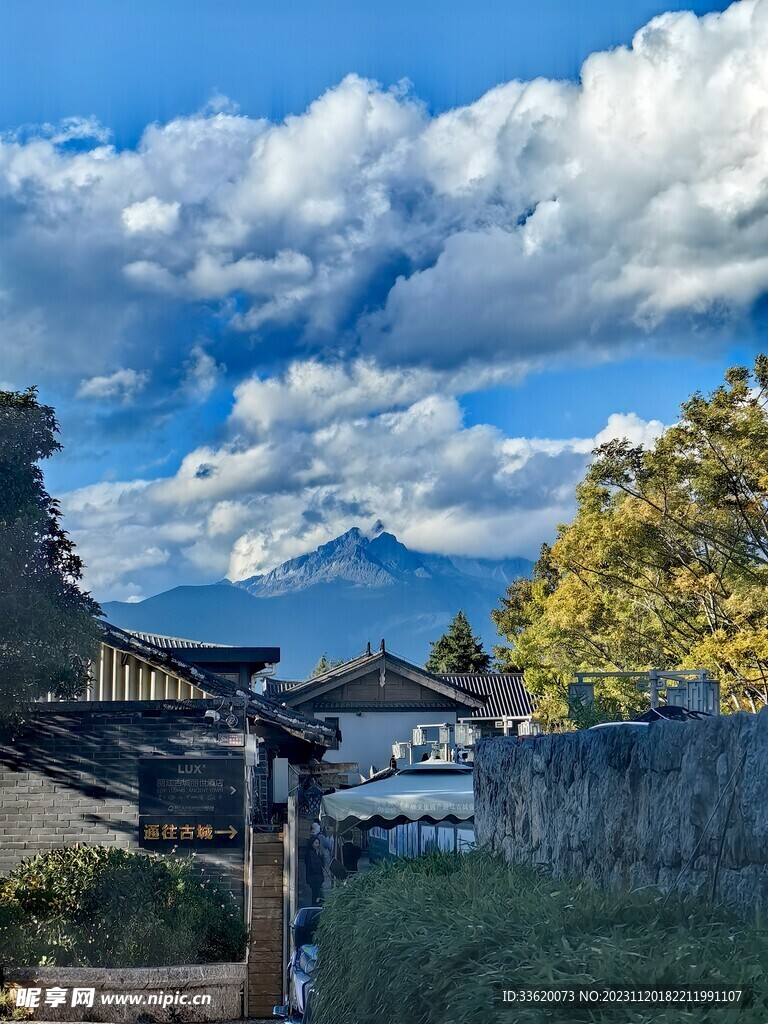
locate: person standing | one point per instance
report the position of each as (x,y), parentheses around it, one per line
(315,870)
(316,830)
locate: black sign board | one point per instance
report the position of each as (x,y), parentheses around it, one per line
(191,802)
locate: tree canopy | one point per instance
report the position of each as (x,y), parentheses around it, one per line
(324,664)
(665,564)
(458,650)
(48,633)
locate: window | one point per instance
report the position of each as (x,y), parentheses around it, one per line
(446,838)
(334,723)
(465,839)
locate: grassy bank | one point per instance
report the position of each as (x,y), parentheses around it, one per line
(433,941)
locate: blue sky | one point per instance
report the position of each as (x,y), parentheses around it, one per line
(130,64)
(288,268)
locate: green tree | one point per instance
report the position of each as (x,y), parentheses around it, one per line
(48,633)
(666,562)
(325,664)
(458,650)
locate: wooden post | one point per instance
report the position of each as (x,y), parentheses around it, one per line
(293,845)
(265,956)
(105,673)
(134,675)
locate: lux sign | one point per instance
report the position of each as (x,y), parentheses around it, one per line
(195,802)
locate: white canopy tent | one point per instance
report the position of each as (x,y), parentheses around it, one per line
(432,791)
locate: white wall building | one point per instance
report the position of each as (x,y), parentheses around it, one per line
(378,699)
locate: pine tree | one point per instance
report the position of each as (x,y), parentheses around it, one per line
(325,664)
(458,650)
(48,632)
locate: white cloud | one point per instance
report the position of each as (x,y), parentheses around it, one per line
(325,450)
(359,265)
(545,218)
(151,214)
(202,373)
(212,278)
(122,385)
(315,393)
(629,425)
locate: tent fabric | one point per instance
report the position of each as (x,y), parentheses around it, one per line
(433,792)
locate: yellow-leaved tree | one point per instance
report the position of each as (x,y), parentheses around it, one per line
(665,564)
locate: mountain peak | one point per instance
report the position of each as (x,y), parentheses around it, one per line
(346,557)
(372,560)
(354,532)
(358,586)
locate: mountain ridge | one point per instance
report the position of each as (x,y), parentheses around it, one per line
(356,588)
(381,560)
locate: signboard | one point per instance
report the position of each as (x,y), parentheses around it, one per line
(230,739)
(194,803)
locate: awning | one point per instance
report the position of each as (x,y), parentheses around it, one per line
(432,791)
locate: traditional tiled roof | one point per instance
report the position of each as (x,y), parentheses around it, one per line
(294,722)
(369,662)
(171,642)
(277,686)
(505,692)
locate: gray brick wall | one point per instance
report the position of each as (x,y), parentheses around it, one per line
(71,776)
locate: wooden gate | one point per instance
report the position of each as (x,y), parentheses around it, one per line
(265,955)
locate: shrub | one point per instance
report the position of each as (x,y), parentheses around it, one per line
(94,906)
(8,1008)
(433,940)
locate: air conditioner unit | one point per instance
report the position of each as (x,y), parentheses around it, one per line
(467,735)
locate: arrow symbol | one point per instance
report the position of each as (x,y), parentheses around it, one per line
(231,831)
(232,790)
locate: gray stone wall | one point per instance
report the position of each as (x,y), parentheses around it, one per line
(71,777)
(670,805)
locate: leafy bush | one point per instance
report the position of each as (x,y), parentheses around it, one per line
(94,906)
(8,1008)
(435,939)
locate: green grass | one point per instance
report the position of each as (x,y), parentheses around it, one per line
(432,941)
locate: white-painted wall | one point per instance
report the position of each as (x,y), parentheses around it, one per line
(367,738)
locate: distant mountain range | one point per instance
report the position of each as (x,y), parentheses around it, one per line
(354,589)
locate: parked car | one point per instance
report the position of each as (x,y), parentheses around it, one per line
(666,713)
(301,968)
(671,713)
